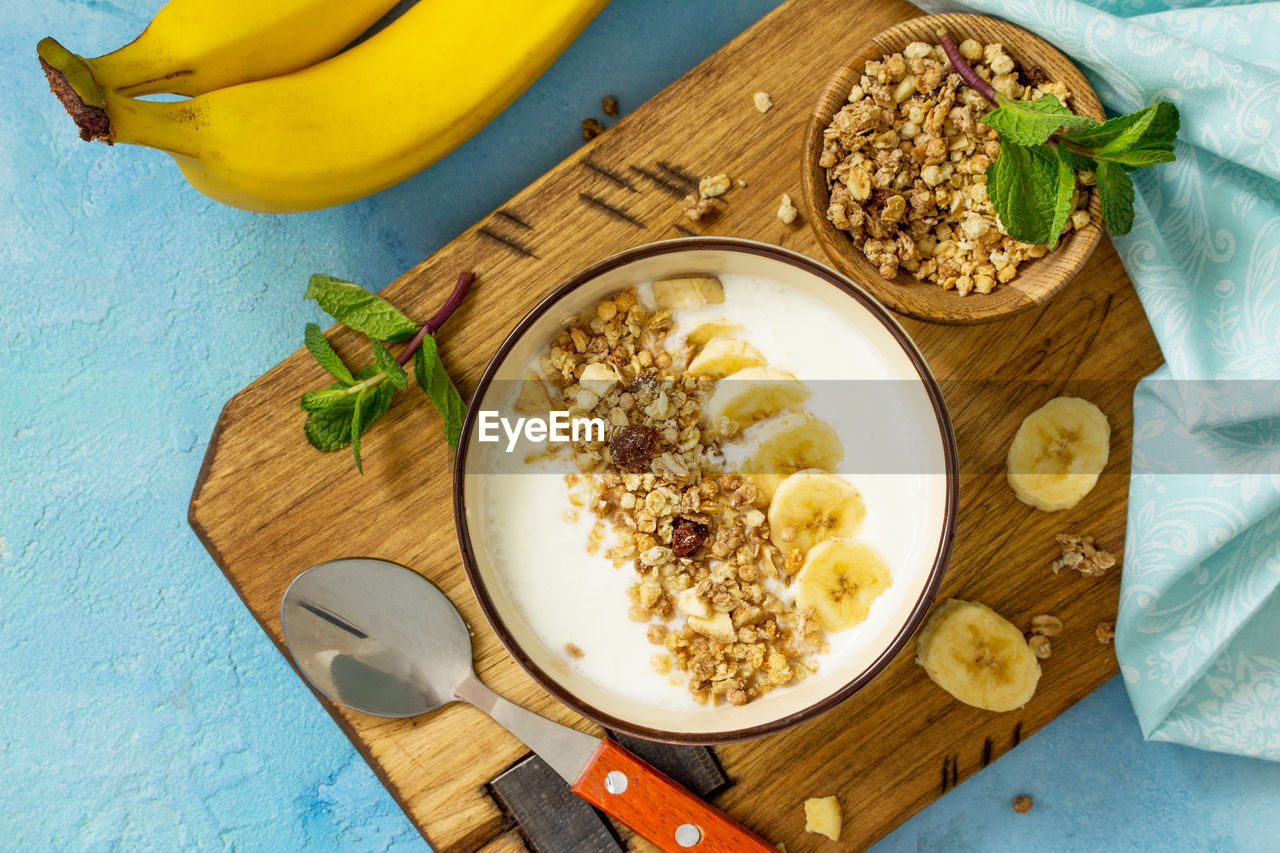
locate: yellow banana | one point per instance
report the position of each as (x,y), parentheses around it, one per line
(359,122)
(196,46)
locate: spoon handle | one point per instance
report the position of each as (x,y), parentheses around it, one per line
(658,808)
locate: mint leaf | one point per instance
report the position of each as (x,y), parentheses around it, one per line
(1115,192)
(319,347)
(1138,157)
(1066,191)
(437,385)
(335,395)
(388,364)
(359,309)
(1032,122)
(1024,186)
(1154,126)
(328,429)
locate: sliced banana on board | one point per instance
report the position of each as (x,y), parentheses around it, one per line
(1058,453)
(978,656)
(723,356)
(687,292)
(840,579)
(812,506)
(754,393)
(704,332)
(791,442)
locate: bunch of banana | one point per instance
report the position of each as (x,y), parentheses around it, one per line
(1058,453)
(278,123)
(978,656)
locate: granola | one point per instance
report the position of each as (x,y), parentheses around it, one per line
(787,210)
(906,162)
(707,575)
(591,128)
(1082,554)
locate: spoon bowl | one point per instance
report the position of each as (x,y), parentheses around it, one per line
(381,639)
(376,637)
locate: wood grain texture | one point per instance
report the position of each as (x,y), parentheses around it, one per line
(267,506)
(1037,280)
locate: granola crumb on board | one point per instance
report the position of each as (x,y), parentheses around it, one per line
(698,208)
(1082,554)
(787,210)
(1046,625)
(713,186)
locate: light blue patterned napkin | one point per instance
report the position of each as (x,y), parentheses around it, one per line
(1198,633)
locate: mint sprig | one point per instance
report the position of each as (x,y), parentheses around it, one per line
(1043,144)
(340,414)
(1032,122)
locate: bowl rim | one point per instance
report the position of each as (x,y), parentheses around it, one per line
(814,184)
(945,542)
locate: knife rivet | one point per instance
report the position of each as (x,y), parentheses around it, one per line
(688,835)
(615,782)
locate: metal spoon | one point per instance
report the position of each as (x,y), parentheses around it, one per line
(381,639)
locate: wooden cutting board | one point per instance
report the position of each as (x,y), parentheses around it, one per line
(267,505)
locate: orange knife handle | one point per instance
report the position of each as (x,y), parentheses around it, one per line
(657,808)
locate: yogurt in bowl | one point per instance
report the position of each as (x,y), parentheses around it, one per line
(764,520)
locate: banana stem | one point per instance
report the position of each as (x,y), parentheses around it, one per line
(437,320)
(72,82)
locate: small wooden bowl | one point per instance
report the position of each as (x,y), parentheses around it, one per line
(1036,280)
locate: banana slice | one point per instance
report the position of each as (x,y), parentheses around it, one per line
(754,393)
(810,507)
(687,292)
(1058,452)
(704,332)
(840,579)
(723,356)
(978,656)
(791,442)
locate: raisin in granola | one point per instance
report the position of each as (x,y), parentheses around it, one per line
(632,447)
(687,536)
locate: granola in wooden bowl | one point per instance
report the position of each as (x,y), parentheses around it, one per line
(896,172)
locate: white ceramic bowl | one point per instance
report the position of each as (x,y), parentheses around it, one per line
(843,671)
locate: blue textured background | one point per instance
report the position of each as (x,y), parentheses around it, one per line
(140,707)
